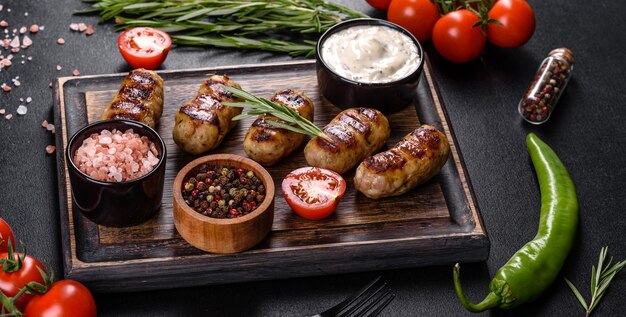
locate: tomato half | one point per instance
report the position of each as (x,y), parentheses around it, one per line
(417,16)
(144,47)
(6,235)
(64,298)
(518,23)
(313,192)
(12,282)
(379,4)
(456,39)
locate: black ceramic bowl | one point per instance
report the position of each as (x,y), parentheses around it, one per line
(117,204)
(346,93)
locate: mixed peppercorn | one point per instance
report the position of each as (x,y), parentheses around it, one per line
(544,92)
(223,191)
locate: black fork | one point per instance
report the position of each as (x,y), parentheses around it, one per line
(369,301)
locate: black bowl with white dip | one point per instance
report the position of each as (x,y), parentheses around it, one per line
(369,63)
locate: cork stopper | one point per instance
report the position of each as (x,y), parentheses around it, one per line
(565,53)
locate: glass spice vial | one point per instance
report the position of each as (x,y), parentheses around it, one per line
(550,80)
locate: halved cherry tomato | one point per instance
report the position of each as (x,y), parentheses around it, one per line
(455,37)
(64,298)
(313,192)
(21,271)
(517,23)
(144,47)
(382,5)
(417,16)
(6,235)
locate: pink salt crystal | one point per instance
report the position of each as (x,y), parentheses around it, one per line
(2,111)
(22,30)
(44,123)
(60,41)
(6,87)
(75,72)
(50,127)
(26,42)
(6,62)
(50,149)
(74,26)
(82,27)
(59,67)
(4,23)
(15,42)
(8,117)
(89,30)
(34,28)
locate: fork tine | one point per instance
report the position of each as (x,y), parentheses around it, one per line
(345,303)
(363,300)
(388,298)
(366,303)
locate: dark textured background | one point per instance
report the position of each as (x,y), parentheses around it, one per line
(587,131)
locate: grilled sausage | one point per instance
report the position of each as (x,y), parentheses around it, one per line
(140,98)
(418,157)
(354,134)
(267,144)
(202,122)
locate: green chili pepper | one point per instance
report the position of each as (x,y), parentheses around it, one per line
(535,266)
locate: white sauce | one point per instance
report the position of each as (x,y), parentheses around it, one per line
(370,54)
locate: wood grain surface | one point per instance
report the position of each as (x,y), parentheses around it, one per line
(435,223)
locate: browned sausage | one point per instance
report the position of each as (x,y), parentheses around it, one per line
(202,123)
(267,144)
(354,134)
(418,157)
(140,98)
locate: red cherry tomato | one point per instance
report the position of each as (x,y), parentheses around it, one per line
(6,235)
(313,192)
(456,39)
(518,23)
(382,5)
(12,282)
(417,16)
(144,47)
(64,298)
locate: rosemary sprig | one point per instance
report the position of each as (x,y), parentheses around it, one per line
(601,277)
(290,26)
(291,120)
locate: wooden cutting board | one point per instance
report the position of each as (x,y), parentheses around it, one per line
(437,223)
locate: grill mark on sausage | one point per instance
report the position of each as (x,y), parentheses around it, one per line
(385,161)
(411,147)
(135,91)
(142,77)
(215,84)
(356,123)
(369,113)
(128,106)
(291,99)
(203,108)
(427,136)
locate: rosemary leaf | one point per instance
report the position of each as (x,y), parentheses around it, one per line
(579,296)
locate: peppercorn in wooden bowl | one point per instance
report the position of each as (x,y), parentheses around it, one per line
(223,203)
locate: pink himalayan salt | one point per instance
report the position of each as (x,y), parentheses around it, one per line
(114,156)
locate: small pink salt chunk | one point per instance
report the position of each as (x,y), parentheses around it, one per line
(50,149)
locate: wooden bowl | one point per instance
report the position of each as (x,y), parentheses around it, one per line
(223,235)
